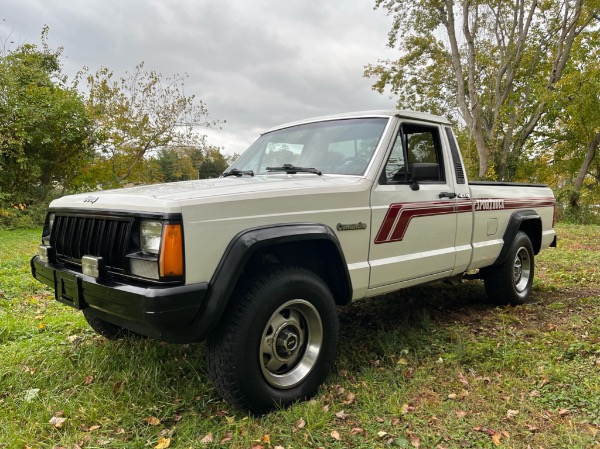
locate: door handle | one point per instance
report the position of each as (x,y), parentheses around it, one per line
(449,195)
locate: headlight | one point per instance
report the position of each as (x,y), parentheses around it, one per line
(150,236)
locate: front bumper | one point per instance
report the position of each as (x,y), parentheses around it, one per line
(166,313)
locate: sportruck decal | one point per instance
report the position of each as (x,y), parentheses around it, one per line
(399,215)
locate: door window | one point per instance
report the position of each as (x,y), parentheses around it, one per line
(414,144)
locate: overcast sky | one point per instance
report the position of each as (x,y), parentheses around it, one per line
(255,63)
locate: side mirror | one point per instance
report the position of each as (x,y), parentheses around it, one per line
(424,171)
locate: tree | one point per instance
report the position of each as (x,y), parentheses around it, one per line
(136,116)
(491,64)
(44,127)
(571,129)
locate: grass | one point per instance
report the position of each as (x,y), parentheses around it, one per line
(431,367)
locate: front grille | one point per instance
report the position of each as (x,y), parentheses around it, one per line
(75,236)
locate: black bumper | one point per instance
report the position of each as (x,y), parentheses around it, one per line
(171,314)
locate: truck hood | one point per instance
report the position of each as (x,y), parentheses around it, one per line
(170,197)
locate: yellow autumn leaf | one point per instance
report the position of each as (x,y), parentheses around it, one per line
(163,443)
(266,439)
(496,439)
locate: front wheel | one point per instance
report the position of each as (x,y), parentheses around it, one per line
(511,281)
(277,341)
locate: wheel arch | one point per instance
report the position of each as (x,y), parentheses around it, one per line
(310,245)
(527,221)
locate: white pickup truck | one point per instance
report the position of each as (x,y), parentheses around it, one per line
(313,215)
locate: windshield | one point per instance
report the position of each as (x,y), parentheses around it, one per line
(342,147)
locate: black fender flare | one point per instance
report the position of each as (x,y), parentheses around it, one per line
(515,223)
(238,253)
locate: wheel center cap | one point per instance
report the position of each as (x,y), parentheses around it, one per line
(286,342)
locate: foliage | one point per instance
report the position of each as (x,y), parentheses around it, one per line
(433,366)
(570,135)
(135,116)
(185,163)
(44,127)
(491,65)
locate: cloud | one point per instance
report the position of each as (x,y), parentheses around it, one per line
(254,63)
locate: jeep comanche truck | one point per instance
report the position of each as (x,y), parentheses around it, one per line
(313,215)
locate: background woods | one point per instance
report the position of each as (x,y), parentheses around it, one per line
(94,132)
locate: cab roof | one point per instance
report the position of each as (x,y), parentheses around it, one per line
(421,116)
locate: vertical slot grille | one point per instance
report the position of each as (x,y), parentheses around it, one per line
(75,236)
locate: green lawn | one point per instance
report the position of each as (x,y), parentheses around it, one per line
(429,367)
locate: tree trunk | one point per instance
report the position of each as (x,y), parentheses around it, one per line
(590,154)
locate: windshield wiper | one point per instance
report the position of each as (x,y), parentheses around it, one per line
(238,173)
(292,170)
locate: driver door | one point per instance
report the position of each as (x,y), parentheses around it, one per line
(414,225)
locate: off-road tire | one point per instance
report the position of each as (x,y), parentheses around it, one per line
(511,281)
(286,313)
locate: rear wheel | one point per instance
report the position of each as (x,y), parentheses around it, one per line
(511,281)
(277,341)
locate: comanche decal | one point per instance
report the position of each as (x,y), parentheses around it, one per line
(399,215)
(351,227)
(491,204)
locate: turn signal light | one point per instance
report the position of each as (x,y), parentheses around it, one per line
(171,252)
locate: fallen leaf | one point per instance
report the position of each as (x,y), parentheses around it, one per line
(510,414)
(257,446)
(31,394)
(266,439)
(152,420)
(460,413)
(335,435)
(452,396)
(119,387)
(72,338)
(532,428)
(226,438)
(545,381)
(496,439)
(91,429)
(356,430)
(379,419)
(415,441)
(57,422)
(564,412)
(278,447)
(88,380)
(534,394)
(208,438)
(382,434)
(402,361)
(405,409)
(463,379)
(350,399)
(341,415)
(163,443)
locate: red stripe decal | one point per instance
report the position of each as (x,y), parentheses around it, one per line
(399,215)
